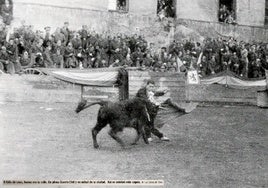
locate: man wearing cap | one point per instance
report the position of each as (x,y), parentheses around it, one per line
(65,30)
(69,56)
(57,57)
(47,37)
(47,33)
(84,35)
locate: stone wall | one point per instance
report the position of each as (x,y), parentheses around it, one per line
(205,10)
(220,94)
(251,12)
(94,13)
(42,88)
(140,19)
(43,14)
(143,7)
(248,12)
(195,19)
(200,29)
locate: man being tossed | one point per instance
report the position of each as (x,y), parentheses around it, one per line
(148,92)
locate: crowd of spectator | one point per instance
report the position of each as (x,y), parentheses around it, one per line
(84,49)
(247,60)
(226,15)
(72,49)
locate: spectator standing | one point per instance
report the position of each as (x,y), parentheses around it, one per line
(244,61)
(6,64)
(69,55)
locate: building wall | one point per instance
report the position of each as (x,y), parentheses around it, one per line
(205,10)
(54,13)
(198,30)
(199,18)
(251,12)
(40,15)
(140,19)
(36,88)
(85,4)
(94,13)
(143,7)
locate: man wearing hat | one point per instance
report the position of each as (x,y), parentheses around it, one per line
(47,33)
(65,30)
(47,36)
(84,35)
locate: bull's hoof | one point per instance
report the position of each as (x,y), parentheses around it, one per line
(96,146)
(147,140)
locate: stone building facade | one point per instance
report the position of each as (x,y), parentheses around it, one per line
(194,18)
(248,12)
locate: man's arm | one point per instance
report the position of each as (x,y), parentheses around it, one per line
(160,93)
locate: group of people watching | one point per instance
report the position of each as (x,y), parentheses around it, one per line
(214,55)
(226,15)
(87,49)
(74,49)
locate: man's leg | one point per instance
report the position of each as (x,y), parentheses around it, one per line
(147,130)
(157,133)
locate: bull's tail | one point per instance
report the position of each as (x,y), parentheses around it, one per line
(83,104)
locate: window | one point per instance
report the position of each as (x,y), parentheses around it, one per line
(118,5)
(227,11)
(266,12)
(166,9)
(122,5)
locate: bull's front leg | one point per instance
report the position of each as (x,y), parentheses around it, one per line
(138,128)
(113,134)
(145,137)
(99,126)
(137,138)
(140,132)
(94,137)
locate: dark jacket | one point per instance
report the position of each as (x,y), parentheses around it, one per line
(143,94)
(152,108)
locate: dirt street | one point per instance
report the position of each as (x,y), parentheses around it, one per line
(211,147)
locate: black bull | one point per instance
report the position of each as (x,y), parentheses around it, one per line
(128,113)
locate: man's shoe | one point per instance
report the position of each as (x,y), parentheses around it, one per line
(150,139)
(164,138)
